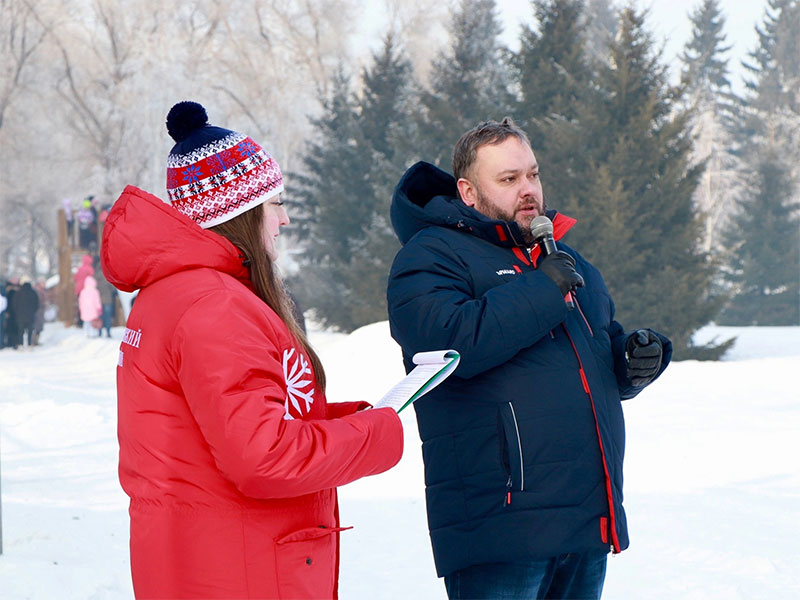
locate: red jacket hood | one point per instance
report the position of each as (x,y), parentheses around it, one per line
(145,239)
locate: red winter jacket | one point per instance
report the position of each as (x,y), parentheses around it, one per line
(228,451)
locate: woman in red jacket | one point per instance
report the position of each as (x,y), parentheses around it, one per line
(228,450)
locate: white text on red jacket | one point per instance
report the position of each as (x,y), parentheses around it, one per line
(132,337)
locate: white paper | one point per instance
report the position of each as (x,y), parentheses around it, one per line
(432,368)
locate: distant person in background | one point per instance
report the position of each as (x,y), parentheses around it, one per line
(11,330)
(38,318)
(229,451)
(108,296)
(94,228)
(87,222)
(91,307)
(24,305)
(81,274)
(3,307)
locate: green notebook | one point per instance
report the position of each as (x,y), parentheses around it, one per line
(431,369)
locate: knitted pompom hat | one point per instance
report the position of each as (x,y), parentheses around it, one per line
(214,174)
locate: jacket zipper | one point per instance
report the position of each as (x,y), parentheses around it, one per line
(615,545)
(521,463)
(580,310)
(519,448)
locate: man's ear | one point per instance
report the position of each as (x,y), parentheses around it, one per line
(467,191)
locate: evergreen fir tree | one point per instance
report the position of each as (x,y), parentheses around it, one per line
(386,119)
(636,219)
(774,66)
(764,270)
(469,82)
(554,81)
(344,192)
(766,259)
(386,100)
(386,116)
(333,174)
(333,194)
(704,66)
(550,67)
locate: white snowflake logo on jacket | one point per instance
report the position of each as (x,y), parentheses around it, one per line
(296,386)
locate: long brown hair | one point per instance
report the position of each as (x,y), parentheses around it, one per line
(244,232)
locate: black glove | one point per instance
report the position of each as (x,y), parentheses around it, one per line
(643,354)
(560,267)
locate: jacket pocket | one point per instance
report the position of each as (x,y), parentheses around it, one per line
(516,460)
(305,562)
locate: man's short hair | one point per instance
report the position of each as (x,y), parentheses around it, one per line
(488,132)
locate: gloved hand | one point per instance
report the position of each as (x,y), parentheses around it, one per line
(643,354)
(560,267)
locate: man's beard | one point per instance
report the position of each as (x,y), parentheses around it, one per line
(492,211)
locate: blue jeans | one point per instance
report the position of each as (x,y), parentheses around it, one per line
(574,576)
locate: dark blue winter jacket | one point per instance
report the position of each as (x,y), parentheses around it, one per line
(523,444)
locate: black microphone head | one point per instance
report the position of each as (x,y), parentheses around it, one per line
(541,226)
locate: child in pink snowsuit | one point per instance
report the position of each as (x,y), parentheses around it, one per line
(90,306)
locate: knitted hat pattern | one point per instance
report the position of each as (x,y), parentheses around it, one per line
(215,174)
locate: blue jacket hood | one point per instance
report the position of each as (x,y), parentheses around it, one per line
(426,196)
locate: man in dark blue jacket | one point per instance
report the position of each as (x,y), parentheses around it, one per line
(523,445)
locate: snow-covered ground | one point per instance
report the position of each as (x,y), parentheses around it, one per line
(712,475)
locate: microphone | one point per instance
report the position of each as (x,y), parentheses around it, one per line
(542,232)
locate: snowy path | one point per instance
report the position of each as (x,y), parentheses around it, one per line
(712,476)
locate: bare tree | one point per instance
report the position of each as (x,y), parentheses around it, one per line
(100,85)
(86,84)
(422,27)
(312,33)
(721,181)
(22,32)
(28,239)
(600,18)
(274,63)
(713,107)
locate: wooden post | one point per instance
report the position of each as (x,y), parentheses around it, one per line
(66,293)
